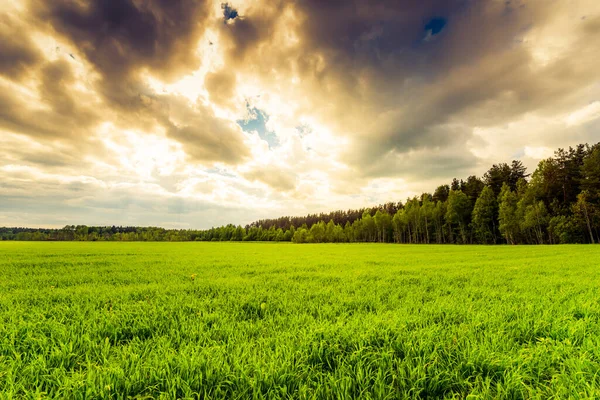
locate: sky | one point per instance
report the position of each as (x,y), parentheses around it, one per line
(198,113)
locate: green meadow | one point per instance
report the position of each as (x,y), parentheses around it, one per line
(285,321)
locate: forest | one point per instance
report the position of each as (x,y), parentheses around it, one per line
(558,203)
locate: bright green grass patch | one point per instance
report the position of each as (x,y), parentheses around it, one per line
(254,320)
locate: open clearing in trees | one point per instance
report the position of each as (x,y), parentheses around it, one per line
(257,320)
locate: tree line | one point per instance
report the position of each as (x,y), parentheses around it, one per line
(558,203)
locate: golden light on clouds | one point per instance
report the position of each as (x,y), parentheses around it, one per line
(121,112)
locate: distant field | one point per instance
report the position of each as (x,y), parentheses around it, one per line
(256,320)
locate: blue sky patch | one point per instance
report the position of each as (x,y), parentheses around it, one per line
(434,27)
(228,12)
(257,121)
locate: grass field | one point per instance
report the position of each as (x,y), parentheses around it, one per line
(254,320)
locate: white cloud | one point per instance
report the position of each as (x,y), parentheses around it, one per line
(382,118)
(584,115)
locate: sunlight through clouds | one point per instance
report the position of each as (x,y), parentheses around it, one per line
(360,102)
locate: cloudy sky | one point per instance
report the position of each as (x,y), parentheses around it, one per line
(194,113)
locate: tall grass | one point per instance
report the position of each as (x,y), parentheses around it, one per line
(281,321)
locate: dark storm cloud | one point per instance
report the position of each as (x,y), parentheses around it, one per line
(54,87)
(244,35)
(383,40)
(435,25)
(63,116)
(17,52)
(393,77)
(123,39)
(373,50)
(398,89)
(381,36)
(119,37)
(371,76)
